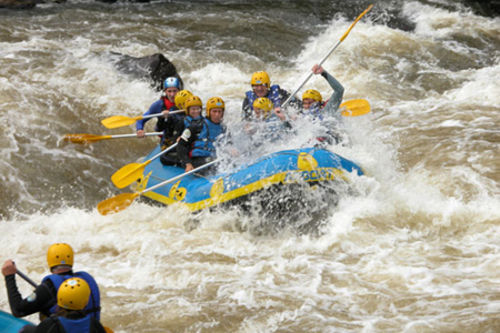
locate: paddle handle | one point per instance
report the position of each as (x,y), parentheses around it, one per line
(160,114)
(308,76)
(26,278)
(163,152)
(171,180)
(117,136)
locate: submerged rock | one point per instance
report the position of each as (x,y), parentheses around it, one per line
(154,68)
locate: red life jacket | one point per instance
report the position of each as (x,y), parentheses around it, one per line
(167,104)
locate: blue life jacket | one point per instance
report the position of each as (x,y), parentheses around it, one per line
(203,146)
(76,325)
(188,120)
(314,111)
(93,308)
(273,94)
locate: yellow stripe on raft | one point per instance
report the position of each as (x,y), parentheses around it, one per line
(287,177)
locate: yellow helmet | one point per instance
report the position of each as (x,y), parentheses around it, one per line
(60,254)
(192,101)
(259,78)
(214,103)
(313,94)
(73,294)
(263,103)
(180,98)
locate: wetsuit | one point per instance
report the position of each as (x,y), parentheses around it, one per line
(157,107)
(42,300)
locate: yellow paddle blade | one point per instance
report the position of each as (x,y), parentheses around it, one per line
(128,174)
(85,138)
(116,203)
(355,107)
(119,121)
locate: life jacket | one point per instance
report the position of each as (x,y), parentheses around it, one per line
(315,110)
(203,146)
(168,105)
(93,307)
(82,325)
(273,94)
(188,120)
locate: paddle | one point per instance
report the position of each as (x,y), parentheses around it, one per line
(88,138)
(120,121)
(310,73)
(355,107)
(122,201)
(26,278)
(132,171)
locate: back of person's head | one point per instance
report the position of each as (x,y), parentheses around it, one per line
(312,94)
(259,78)
(263,103)
(60,254)
(214,103)
(181,97)
(73,294)
(192,101)
(171,82)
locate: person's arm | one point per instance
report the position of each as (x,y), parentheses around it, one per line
(153,109)
(338,93)
(39,301)
(184,146)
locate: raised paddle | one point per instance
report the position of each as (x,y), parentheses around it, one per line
(121,201)
(88,138)
(132,171)
(120,121)
(355,107)
(310,73)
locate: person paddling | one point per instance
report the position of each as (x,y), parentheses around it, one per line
(197,143)
(166,103)
(312,101)
(60,257)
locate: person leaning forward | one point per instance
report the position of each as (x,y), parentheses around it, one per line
(72,298)
(60,257)
(165,104)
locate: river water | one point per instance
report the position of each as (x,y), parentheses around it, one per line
(415,250)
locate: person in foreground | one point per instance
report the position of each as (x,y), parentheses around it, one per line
(72,298)
(261,87)
(60,259)
(196,145)
(165,104)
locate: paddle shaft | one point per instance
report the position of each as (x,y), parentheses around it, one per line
(117,136)
(26,278)
(326,56)
(158,114)
(161,153)
(171,180)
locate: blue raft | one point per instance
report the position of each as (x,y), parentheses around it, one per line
(196,192)
(11,324)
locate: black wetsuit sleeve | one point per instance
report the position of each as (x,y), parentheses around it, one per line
(42,299)
(294,102)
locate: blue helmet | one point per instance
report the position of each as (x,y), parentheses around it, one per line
(171,82)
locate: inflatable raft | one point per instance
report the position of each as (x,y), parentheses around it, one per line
(310,166)
(11,324)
